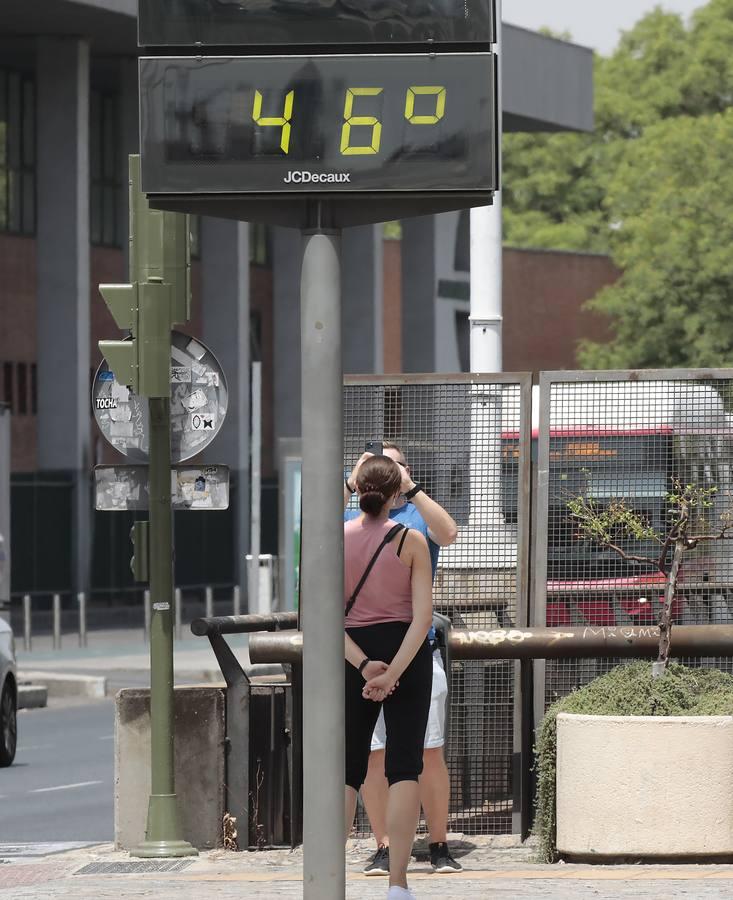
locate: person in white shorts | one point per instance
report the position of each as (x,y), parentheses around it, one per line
(434,785)
(416,510)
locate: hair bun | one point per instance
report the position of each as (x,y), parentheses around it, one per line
(371,501)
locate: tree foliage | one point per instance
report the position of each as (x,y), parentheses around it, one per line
(652,186)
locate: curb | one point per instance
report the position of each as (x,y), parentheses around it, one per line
(65,685)
(32,696)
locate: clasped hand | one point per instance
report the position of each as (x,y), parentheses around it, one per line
(379,683)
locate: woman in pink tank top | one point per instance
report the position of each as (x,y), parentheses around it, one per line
(388,613)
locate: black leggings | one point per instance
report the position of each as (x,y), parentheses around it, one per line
(405,711)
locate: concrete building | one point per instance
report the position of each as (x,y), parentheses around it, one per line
(68,120)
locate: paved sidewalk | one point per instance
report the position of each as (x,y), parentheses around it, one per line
(491,869)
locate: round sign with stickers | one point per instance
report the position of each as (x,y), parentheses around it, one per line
(198,404)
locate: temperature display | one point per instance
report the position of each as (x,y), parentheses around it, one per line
(330,123)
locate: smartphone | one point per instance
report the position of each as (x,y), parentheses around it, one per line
(374,447)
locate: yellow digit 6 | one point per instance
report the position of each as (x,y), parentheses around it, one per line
(349,120)
(436,91)
(279,121)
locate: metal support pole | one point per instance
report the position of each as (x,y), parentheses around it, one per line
(57,621)
(146,615)
(82,601)
(163,836)
(179,614)
(322,569)
(255,496)
(237,600)
(27,638)
(209,602)
(487,264)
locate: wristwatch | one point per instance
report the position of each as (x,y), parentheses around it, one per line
(349,488)
(411,493)
(362,664)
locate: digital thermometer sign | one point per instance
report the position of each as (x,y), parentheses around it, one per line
(334,124)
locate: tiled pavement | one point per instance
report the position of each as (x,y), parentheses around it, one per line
(491,869)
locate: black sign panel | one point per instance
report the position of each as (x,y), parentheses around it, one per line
(252,23)
(327,124)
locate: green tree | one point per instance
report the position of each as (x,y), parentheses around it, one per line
(672,197)
(651,186)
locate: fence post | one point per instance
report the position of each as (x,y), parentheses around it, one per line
(209,602)
(237,600)
(146,615)
(178,604)
(27,638)
(82,600)
(57,621)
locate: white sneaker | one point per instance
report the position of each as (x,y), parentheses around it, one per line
(400,893)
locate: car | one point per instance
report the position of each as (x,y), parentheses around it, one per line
(8,695)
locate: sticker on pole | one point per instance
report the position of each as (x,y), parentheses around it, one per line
(125,488)
(198,404)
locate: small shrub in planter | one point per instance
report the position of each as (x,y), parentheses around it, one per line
(629,690)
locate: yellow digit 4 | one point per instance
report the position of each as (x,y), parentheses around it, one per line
(276,121)
(437,91)
(349,120)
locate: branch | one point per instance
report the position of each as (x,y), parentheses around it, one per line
(701,538)
(629,556)
(662,561)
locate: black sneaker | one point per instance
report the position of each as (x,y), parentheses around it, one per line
(442,861)
(379,863)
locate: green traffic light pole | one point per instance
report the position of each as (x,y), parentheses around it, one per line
(157,298)
(163,835)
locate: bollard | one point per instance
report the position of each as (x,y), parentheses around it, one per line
(57,621)
(209,602)
(27,639)
(237,601)
(178,630)
(82,600)
(146,615)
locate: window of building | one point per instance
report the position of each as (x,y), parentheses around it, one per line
(34,389)
(8,386)
(255,336)
(106,194)
(22,373)
(259,244)
(17,153)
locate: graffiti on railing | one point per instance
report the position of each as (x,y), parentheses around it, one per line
(502,636)
(627,632)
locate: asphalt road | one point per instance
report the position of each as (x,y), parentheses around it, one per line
(60,787)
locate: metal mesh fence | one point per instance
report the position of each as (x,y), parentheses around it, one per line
(461,439)
(629,437)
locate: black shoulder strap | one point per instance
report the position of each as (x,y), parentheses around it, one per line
(402,541)
(395,530)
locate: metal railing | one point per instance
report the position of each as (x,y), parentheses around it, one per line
(273,640)
(240,793)
(61,615)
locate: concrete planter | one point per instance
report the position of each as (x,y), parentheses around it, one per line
(644,787)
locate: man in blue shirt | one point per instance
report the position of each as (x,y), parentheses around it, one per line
(414,510)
